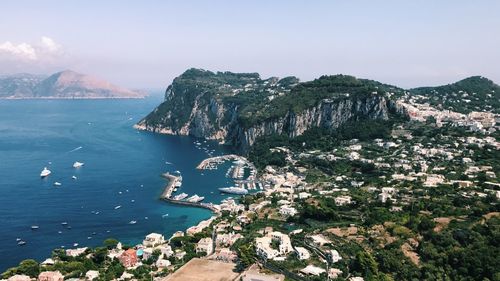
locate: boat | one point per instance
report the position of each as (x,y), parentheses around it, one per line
(73,177)
(178,183)
(18,239)
(45,172)
(118,207)
(64,223)
(78,164)
(195,199)
(132,222)
(164,216)
(57,183)
(21,243)
(180,196)
(234,190)
(35,227)
(75,244)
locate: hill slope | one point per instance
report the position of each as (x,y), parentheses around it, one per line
(475,93)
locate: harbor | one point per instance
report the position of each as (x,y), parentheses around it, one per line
(174,182)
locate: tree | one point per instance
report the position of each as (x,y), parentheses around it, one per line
(29,267)
(110,243)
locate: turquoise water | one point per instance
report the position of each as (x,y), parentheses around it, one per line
(122,167)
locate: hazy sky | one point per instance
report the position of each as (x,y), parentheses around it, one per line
(147,43)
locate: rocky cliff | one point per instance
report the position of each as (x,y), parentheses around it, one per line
(236,109)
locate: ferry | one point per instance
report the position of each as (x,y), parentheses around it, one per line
(180,196)
(195,199)
(45,172)
(234,190)
(77,164)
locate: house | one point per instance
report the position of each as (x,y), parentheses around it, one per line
(147,253)
(263,248)
(342,200)
(153,240)
(205,245)
(91,275)
(19,277)
(312,270)
(334,273)
(287,211)
(334,256)
(162,263)
(75,252)
(128,258)
(285,246)
(302,253)
(50,276)
(166,250)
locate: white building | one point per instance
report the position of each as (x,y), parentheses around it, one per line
(335,256)
(342,200)
(205,245)
(91,275)
(153,240)
(302,253)
(312,270)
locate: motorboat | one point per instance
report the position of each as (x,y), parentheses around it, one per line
(57,183)
(234,190)
(78,164)
(45,172)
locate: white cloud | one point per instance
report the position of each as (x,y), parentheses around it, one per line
(47,48)
(22,51)
(50,45)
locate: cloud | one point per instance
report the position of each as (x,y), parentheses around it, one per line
(50,44)
(22,51)
(46,48)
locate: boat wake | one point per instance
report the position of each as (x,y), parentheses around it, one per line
(76,149)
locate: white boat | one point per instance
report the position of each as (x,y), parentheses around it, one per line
(118,207)
(75,244)
(45,172)
(180,196)
(34,227)
(74,177)
(234,190)
(178,184)
(57,183)
(21,243)
(77,164)
(132,222)
(195,198)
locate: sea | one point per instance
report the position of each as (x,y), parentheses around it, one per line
(122,167)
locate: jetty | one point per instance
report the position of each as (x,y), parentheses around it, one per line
(170,189)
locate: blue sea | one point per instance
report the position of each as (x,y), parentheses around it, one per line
(122,168)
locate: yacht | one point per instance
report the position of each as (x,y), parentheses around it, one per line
(234,190)
(73,177)
(21,243)
(118,207)
(57,183)
(180,196)
(35,227)
(77,164)
(132,222)
(45,172)
(195,199)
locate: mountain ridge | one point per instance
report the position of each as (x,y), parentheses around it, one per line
(66,84)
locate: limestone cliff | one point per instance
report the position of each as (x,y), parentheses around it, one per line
(236,109)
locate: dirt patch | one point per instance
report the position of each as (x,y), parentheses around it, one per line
(441,223)
(409,252)
(206,270)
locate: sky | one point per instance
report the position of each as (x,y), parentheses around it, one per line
(145,44)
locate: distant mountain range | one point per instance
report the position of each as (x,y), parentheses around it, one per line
(66,84)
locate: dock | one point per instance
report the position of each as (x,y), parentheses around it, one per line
(169,190)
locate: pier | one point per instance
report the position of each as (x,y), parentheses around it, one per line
(170,189)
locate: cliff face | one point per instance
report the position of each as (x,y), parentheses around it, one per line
(201,113)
